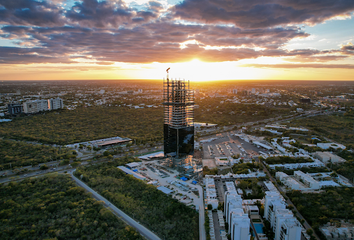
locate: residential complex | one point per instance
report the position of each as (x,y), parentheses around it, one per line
(282,220)
(35,106)
(238,220)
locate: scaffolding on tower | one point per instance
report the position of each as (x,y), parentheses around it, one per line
(178,101)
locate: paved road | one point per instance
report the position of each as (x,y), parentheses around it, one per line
(140,228)
(202,234)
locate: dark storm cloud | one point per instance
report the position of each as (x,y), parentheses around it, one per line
(348,49)
(92,13)
(260,13)
(30,12)
(158,42)
(11,55)
(232,36)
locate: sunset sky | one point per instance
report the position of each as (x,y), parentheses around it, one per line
(198,39)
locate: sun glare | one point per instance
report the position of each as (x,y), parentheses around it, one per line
(197,70)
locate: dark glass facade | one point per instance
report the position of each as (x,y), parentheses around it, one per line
(179,141)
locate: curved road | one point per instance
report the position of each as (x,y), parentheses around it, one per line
(140,228)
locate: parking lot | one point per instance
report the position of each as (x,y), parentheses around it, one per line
(227,145)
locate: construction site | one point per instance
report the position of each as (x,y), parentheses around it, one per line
(178,101)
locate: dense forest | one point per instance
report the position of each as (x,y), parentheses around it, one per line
(251,189)
(227,113)
(85,124)
(159,212)
(338,127)
(244,168)
(20,154)
(320,208)
(347,168)
(53,207)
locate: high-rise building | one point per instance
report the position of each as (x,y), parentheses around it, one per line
(178,101)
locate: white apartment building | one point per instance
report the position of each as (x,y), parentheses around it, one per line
(287,227)
(288,181)
(309,183)
(240,225)
(238,220)
(307,179)
(56,103)
(273,201)
(232,202)
(282,220)
(327,157)
(35,106)
(42,105)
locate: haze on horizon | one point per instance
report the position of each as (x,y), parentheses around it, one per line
(198,39)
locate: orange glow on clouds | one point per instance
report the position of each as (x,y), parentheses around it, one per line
(194,70)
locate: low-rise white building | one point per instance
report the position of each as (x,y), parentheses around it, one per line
(330,145)
(307,179)
(338,233)
(288,181)
(315,163)
(210,193)
(327,157)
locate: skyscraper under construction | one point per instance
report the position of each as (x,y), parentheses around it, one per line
(178,117)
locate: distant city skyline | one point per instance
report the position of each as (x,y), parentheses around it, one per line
(198,40)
